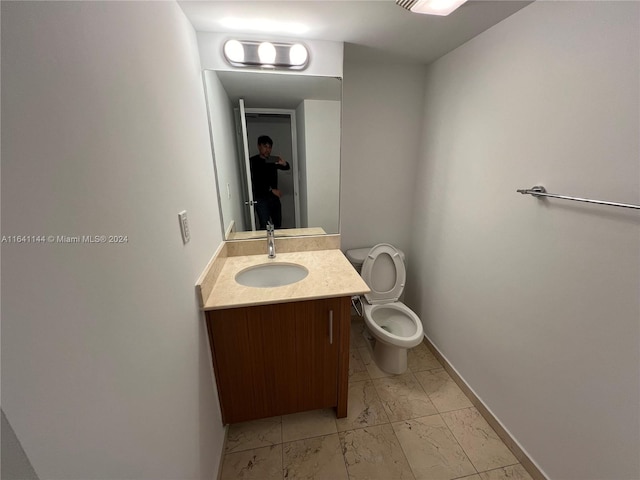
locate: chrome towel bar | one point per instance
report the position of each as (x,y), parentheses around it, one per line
(540,191)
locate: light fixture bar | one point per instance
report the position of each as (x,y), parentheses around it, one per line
(265,54)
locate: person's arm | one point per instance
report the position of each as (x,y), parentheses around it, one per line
(282,164)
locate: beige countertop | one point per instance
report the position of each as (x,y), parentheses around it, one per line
(330,275)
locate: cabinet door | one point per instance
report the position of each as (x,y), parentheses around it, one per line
(278,359)
(315,380)
(237,365)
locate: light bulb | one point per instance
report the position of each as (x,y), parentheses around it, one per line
(234,51)
(267,53)
(298,54)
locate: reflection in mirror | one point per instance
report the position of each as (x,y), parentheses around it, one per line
(301,114)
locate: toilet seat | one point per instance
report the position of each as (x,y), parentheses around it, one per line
(374,255)
(410,331)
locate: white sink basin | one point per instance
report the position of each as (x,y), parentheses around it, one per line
(271,275)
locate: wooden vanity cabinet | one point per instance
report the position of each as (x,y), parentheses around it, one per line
(284,358)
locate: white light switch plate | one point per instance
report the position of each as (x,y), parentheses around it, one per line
(184,226)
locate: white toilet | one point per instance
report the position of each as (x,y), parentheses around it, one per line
(393,326)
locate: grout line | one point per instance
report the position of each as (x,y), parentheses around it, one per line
(500,468)
(311,437)
(439,413)
(458,440)
(460,445)
(403,451)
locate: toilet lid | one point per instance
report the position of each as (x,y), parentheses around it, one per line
(384,272)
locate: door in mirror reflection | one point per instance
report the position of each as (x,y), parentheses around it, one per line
(245,167)
(279,126)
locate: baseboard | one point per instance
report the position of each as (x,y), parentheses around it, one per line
(224,449)
(511,443)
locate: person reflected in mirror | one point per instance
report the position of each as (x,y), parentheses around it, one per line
(264,183)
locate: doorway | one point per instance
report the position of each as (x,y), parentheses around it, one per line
(280,125)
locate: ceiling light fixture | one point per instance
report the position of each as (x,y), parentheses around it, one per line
(251,53)
(431,7)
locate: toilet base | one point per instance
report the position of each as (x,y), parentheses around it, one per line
(388,358)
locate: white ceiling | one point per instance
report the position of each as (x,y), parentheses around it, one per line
(380,28)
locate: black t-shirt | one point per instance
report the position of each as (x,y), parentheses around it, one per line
(264,176)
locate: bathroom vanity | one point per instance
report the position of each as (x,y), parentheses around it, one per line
(285,349)
(277,359)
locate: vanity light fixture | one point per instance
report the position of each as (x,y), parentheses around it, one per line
(251,53)
(431,7)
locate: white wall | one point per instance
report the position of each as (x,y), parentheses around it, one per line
(225,147)
(381,126)
(106,370)
(322,163)
(536,303)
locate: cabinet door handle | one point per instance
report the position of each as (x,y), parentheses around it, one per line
(330,327)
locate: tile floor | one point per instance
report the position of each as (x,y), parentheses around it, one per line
(418,425)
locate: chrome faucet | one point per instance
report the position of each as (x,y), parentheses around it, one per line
(271,240)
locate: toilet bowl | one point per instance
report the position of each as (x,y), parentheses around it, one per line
(392,326)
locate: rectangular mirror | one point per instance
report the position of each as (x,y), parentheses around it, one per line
(302,116)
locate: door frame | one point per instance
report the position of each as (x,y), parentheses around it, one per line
(241,118)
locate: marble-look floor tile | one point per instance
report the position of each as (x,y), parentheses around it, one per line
(442,390)
(258,464)
(364,408)
(254,434)
(374,453)
(481,444)
(318,458)
(357,370)
(513,472)
(370,364)
(470,477)
(431,449)
(420,358)
(314,423)
(403,397)
(356,340)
